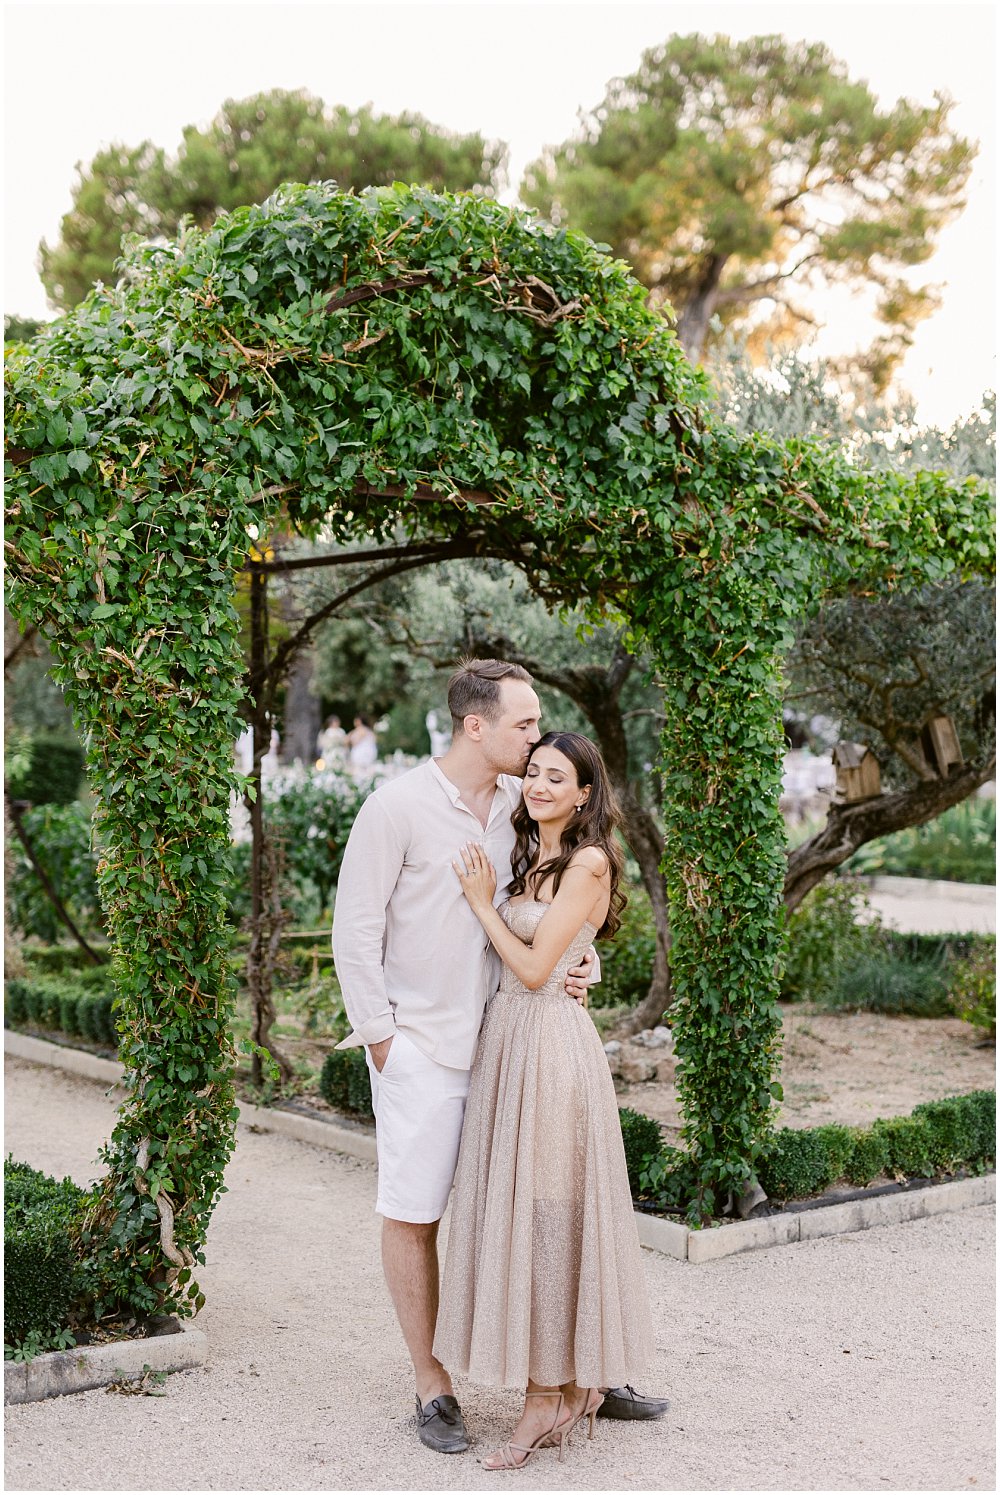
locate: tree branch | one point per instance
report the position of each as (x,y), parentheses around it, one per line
(850,826)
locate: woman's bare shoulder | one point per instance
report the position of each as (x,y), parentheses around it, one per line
(592,859)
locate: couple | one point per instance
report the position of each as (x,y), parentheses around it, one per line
(543,1285)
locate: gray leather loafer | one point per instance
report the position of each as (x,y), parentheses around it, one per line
(440,1425)
(629,1405)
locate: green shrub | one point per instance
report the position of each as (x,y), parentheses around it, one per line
(61,836)
(344,1081)
(64,1006)
(69,1013)
(868,1157)
(908,1146)
(978,1110)
(839,1143)
(881,979)
(794,1165)
(43,1000)
(313,812)
(940,1136)
(824,932)
(643,1139)
(972,986)
(49,770)
(15,1003)
(669,1180)
(957,846)
(96,1017)
(627,960)
(64,960)
(42,1272)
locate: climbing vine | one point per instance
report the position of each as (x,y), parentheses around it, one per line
(403,367)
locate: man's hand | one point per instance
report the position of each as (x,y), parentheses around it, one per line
(380,1053)
(578,979)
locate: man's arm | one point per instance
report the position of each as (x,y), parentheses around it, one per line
(372,863)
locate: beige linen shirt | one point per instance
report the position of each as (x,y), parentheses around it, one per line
(410,953)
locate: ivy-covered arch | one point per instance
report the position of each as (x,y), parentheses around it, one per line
(456,370)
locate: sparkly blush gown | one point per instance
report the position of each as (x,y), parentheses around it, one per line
(543,1277)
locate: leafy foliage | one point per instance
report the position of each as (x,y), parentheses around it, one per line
(313,813)
(627,960)
(46,770)
(974,986)
(939,1136)
(20,329)
(62,838)
(834,925)
(642,1138)
(727,172)
(69,1005)
(42,1267)
(498,388)
(249,148)
(344,1082)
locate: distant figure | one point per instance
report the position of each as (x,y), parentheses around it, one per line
(244,750)
(440,741)
(269,763)
(333,743)
(362,744)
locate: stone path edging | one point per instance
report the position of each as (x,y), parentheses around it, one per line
(90,1365)
(666,1236)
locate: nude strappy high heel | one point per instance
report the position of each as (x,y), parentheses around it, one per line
(547,1439)
(590,1409)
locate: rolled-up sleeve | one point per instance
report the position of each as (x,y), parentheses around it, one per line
(372,863)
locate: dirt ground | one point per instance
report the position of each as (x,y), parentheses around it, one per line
(850,1067)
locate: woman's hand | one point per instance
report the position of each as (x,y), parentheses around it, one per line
(477,876)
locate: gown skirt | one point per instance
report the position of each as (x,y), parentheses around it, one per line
(543,1276)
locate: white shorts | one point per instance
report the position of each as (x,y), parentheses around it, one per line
(419,1108)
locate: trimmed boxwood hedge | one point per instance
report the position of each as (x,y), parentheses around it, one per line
(80,1009)
(642,1137)
(42,1276)
(344,1083)
(940,1137)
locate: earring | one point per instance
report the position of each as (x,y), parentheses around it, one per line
(579,807)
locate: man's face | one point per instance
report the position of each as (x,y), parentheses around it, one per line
(507,741)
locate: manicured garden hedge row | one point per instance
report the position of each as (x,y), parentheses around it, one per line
(81,1008)
(940,1137)
(42,1275)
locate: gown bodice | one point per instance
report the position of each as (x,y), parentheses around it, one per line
(523,918)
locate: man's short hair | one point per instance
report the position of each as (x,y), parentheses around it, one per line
(474,689)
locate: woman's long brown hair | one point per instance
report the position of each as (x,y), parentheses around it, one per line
(594,825)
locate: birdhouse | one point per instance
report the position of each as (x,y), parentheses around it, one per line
(940,745)
(858,773)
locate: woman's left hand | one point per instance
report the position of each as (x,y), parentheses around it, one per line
(477,876)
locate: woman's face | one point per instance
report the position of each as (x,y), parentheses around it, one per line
(551,790)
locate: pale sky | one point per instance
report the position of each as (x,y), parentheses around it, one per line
(81,76)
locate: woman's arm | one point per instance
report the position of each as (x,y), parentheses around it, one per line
(580,893)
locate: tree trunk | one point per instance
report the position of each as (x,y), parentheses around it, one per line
(301,718)
(267,918)
(695,315)
(850,826)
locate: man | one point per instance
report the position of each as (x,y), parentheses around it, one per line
(416,971)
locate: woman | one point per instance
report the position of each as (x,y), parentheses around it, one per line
(543,1283)
(362,744)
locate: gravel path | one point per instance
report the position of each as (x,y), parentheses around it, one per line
(860,1362)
